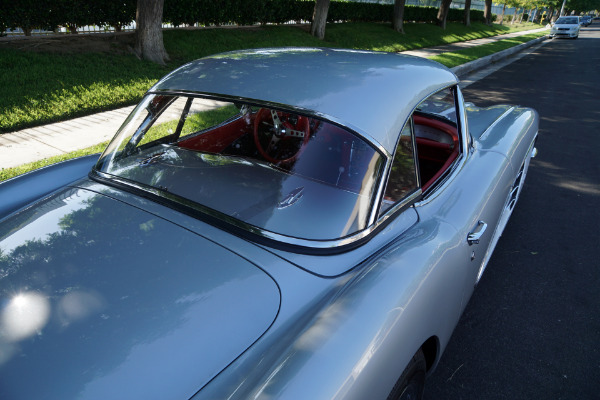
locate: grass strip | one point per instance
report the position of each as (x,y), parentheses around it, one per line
(455,58)
(448,59)
(7,173)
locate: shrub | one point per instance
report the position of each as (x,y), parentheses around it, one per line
(29,14)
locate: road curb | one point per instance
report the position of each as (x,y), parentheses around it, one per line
(467,68)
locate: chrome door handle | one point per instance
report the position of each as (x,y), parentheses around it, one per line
(473,237)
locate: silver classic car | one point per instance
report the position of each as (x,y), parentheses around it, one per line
(292,223)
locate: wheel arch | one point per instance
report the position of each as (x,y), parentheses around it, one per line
(431,348)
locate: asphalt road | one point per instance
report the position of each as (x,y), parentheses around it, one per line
(532,327)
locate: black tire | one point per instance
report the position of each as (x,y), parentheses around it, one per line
(411,384)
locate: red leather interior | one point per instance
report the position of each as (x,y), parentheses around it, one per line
(216,140)
(435,157)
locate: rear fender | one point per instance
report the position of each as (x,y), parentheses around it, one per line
(511,135)
(368,331)
(17,192)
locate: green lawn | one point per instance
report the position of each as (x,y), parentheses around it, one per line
(7,173)
(38,88)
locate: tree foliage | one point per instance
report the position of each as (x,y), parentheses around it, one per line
(583,6)
(49,14)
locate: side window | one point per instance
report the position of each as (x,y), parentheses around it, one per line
(166,124)
(437,138)
(403,174)
(183,116)
(433,128)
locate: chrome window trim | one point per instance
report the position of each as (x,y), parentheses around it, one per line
(284,107)
(401,205)
(439,186)
(390,159)
(236,226)
(411,197)
(415,152)
(432,192)
(385,155)
(463,121)
(465,148)
(251,232)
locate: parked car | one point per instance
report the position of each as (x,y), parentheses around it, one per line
(566,27)
(288,223)
(586,20)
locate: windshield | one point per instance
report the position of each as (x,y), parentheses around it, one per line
(567,21)
(275,170)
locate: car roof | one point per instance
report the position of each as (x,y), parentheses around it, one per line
(372,93)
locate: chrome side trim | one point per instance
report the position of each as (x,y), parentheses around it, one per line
(399,206)
(435,190)
(509,205)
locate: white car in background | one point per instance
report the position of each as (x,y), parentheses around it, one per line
(566,27)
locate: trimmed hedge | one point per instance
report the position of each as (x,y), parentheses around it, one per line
(49,14)
(241,12)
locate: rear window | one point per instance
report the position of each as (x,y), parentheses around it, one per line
(271,169)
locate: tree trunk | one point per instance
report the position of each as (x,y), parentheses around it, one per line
(148,33)
(398,21)
(502,15)
(487,12)
(443,13)
(514,16)
(319,22)
(467,17)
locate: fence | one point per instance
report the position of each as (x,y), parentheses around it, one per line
(475,5)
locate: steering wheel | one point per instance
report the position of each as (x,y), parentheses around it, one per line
(279,136)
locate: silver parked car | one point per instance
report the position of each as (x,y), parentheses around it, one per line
(566,27)
(586,20)
(291,223)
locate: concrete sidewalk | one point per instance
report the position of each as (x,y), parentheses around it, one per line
(33,144)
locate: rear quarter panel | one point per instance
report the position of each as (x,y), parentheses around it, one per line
(22,190)
(510,134)
(357,341)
